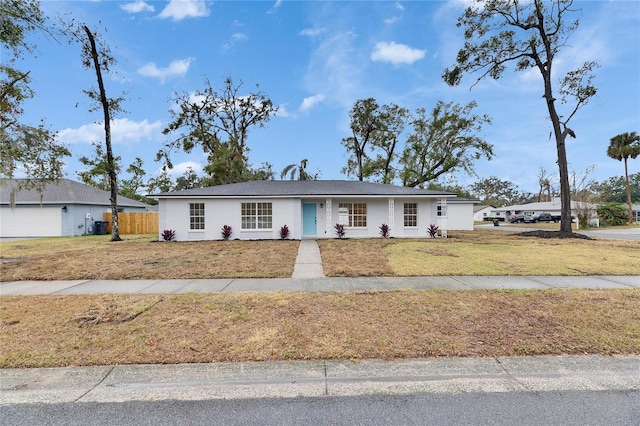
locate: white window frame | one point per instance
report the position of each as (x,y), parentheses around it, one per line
(412,216)
(352,213)
(196,216)
(256,215)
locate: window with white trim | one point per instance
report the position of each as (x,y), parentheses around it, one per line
(196,216)
(441,210)
(257,215)
(410,215)
(352,215)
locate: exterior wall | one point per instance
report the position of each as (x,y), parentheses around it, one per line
(174,214)
(482,214)
(59,220)
(398,230)
(75,221)
(377,214)
(460,216)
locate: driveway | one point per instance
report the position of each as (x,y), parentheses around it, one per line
(629,234)
(10,239)
(615,234)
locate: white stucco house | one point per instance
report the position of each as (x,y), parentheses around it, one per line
(481,213)
(310,209)
(64,208)
(553,207)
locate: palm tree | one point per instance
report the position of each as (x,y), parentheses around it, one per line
(621,147)
(291,170)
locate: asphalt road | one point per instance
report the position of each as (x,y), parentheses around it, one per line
(522,408)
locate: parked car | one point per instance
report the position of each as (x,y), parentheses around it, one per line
(546,217)
(519,218)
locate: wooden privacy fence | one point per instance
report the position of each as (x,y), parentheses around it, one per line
(134,223)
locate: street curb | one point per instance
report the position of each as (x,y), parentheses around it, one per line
(331,378)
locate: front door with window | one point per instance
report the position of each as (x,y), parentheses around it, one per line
(309,219)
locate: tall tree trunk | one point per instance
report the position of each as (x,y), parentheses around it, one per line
(560,134)
(626,176)
(113,180)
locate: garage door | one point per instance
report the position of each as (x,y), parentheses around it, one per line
(30,222)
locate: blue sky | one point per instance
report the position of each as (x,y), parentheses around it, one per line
(314,60)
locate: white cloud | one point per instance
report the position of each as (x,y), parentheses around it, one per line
(312,32)
(177,68)
(275,7)
(282,112)
(310,102)
(180,9)
(396,53)
(123,131)
(235,38)
(137,7)
(180,168)
(395,19)
(336,69)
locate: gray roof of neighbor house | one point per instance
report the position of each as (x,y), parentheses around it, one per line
(309,188)
(481,207)
(64,191)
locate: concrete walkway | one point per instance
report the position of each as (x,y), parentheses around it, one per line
(309,262)
(315,284)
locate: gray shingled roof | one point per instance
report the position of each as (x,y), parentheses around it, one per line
(64,191)
(310,188)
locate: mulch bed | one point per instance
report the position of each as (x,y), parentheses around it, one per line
(553,234)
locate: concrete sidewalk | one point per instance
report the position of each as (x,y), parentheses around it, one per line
(315,284)
(317,378)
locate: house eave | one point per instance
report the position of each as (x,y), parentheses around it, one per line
(236,197)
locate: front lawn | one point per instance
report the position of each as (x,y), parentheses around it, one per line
(479,252)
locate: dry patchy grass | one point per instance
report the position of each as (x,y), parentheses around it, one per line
(140,257)
(355,258)
(480,253)
(45,331)
(464,253)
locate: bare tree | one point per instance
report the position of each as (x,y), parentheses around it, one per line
(100,58)
(528,34)
(545,182)
(219,123)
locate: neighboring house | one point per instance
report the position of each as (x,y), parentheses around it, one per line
(64,208)
(635,211)
(481,213)
(310,209)
(552,207)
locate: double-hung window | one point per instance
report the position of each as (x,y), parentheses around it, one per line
(353,215)
(196,216)
(257,215)
(410,215)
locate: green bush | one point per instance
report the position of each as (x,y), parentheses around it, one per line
(613,214)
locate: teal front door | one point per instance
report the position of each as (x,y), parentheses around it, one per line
(309,219)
